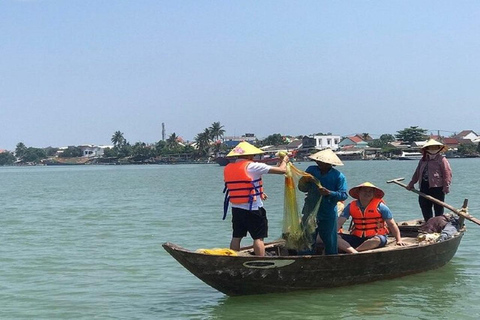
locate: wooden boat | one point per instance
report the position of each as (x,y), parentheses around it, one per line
(283,271)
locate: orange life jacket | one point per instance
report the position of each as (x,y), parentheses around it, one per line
(368,223)
(239,186)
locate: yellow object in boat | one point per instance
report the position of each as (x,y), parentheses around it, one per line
(218,251)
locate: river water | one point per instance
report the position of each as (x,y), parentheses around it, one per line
(84,242)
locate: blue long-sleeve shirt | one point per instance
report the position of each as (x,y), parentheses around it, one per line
(334,181)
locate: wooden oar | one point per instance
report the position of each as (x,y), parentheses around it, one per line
(443,204)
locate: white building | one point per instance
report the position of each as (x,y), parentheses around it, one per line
(467,134)
(91,151)
(321,142)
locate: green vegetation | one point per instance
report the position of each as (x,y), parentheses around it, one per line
(30,154)
(71,152)
(273,140)
(207,144)
(384,144)
(412,134)
(7,159)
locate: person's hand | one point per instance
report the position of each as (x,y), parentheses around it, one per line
(283,156)
(264,196)
(409,187)
(324,191)
(401,243)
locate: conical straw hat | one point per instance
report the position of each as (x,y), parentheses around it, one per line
(433,142)
(327,156)
(244,149)
(355,190)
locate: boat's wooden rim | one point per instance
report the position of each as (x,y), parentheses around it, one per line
(410,241)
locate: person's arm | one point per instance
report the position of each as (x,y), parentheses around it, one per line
(337,195)
(415,177)
(281,168)
(446,174)
(341,220)
(344,216)
(392,226)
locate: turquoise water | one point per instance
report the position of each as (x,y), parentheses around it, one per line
(84,242)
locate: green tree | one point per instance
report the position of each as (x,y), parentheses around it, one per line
(216,131)
(20,150)
(376,143)
(412,134)
(71,152)
(118,139)
(125,150)
(7,158)
(172,142)
(141,151)
(110,153)
(467,149)
(160,147)
(274,139)
(188,149)
(386,138)
(202,141)
(33,155)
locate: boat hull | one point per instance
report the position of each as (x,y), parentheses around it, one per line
(246,275)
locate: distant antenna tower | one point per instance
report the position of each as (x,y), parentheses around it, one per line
(163,131)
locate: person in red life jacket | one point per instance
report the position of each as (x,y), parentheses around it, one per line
(372,221)
(434,175)
(244,192)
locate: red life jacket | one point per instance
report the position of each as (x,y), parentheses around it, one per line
(370,222)
(239,186)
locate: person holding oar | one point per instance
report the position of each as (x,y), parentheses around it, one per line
(434,175)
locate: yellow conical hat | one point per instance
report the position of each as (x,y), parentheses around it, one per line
(355,190)
(244,149)
(327,156)
(433,142)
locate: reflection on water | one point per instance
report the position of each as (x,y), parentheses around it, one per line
(425,296)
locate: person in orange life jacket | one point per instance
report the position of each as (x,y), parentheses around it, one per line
(243,183)
(333,189)
(434,175)
(370,220)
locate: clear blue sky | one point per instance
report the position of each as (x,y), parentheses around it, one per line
(74,72)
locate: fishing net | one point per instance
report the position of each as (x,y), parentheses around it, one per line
(299,211)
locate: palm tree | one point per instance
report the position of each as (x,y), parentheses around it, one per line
(117,139)
(203,142)
(216,131)
(172,141)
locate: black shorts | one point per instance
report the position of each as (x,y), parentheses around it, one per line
(253,221)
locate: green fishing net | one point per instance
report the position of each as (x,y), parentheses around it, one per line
(300,211)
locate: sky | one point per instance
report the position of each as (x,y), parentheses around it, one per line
(73,72)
